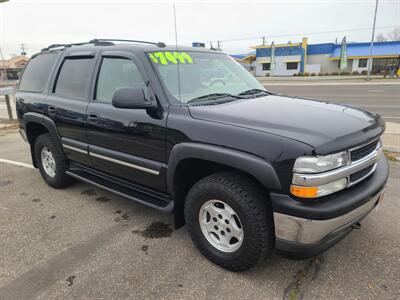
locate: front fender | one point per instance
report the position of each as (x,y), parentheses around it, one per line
(251,164)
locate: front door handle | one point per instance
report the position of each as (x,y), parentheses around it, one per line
(94,118)
(52,110)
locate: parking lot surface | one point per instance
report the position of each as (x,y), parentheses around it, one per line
(81,242)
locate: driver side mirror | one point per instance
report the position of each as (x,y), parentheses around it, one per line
(131,98)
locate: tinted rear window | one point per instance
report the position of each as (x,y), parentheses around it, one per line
(37,72)
(73,78)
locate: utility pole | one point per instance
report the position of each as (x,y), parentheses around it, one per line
(219,44)
(369,62)
(23,49)
(263,38)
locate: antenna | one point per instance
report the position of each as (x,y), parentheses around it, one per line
(176,46)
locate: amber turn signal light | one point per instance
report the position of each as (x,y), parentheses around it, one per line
(304,191)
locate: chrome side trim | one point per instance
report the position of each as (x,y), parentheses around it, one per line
(74,149)
(343,172)
(124,163)
(306,231)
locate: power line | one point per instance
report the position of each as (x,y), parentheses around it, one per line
(304,34)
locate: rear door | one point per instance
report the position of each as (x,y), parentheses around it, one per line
(128,143)
(68,101)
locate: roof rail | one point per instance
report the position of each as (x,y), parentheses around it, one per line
(97,43)
(100,42)
(159,44)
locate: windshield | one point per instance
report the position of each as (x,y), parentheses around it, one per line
(203,76)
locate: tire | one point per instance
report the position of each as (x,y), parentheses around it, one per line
(254,214)
(59,179)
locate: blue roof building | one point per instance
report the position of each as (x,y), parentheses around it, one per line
(323,58)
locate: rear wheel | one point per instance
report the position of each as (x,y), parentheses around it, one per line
(51,162)
(229,220)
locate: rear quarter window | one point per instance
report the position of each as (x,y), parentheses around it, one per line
(37,72)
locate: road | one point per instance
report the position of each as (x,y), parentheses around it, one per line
(377,98)
(81,242)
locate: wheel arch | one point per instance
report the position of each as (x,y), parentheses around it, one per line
(209,159)
(36,124)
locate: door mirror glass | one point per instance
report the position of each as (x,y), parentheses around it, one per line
(132,98)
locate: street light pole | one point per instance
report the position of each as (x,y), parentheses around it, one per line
(372,43)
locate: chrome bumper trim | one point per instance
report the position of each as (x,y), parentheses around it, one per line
(306,231)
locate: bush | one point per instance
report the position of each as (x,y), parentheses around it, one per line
(335,73)
(313,74)
(345,73)
(300,74)
(294,74)
(267,75)
(364,72)
(355,73)
(320,74)
(306,74)
(326,74)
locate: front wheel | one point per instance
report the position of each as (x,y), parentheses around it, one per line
(229,219)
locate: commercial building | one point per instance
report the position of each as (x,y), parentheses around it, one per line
(11,69)
(323,58)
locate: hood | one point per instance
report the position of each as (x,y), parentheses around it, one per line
(325,126)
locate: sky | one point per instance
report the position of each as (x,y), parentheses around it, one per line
(238,25)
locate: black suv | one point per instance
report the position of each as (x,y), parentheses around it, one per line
(190,131)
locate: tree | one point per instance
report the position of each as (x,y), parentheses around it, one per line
(391,36)
(381,38)
(395,34)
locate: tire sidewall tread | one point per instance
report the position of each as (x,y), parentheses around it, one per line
(61,179)
(251,204)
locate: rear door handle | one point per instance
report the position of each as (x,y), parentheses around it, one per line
(94,118)
(52,110)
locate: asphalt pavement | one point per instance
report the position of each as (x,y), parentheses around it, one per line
(84,243)
(377,98)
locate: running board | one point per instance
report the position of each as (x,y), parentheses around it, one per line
(122,188)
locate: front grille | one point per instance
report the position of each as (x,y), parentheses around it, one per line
(360,174)
(363,151)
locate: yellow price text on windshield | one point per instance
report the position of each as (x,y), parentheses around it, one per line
(165,58)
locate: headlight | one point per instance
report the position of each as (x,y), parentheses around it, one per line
(319,164)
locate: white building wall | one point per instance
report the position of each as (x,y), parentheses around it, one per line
(327,65)
(280,65)
(357,68)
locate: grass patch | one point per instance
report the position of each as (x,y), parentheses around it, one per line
(392,156)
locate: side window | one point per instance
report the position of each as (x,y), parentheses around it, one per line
(73,78)
(362,62)
(115,73)
(37,73)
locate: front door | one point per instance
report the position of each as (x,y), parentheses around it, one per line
(128,143)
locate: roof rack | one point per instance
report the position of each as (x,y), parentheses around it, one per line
(100,42)
(159,44)
(54,46)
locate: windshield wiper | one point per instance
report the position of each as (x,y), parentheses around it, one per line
(254,92)
(214,96)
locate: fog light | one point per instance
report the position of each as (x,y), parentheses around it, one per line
(318,191)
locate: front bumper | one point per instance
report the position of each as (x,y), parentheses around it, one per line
(307,227)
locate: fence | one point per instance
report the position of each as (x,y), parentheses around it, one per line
(8,93)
